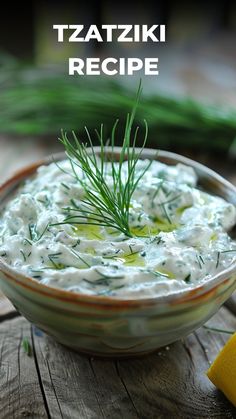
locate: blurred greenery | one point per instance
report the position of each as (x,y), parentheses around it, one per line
(43,101)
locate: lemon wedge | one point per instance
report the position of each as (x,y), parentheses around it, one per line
(222,372)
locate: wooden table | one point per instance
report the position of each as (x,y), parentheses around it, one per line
(54,382)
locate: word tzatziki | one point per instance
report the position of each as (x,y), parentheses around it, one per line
(178,234)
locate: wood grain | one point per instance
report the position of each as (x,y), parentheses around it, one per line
(58,383)
(92,389)
(20,394)
(173,383)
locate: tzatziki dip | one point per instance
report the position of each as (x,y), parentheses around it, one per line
(179,233)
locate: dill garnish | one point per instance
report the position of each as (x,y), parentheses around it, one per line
(65,186)
(54,260)
(77,243)
(80,258)
(111,290)
(104,280)
(228,251)
(35,236)
(199,260)
(105,204)
(157,191)
(166,213)
(25,240)
(23,254)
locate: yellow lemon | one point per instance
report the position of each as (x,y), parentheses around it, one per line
(222,372)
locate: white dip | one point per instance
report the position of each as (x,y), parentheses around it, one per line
(180,235)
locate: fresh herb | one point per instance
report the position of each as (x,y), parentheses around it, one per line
(36,270)
(26,347)
(76,244)
(218,259)
(104,279)
(178,122)
(110,291)
(216,329)
(130,248)
(228,251)
(45,202)
(35,236)
(23,254)
(187,279)
(139,227)
(106,204)
(99,281)
(158,240)
(65,186)
(27,241)
(223,251)
(157,191)
(167,216)
(80,258)
(105,276)
(158,273)
(32,232)
(199,261)
(170,200)
(53,259)
(55,255)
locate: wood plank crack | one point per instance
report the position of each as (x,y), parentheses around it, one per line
(20,393)
(38,373)
(202,347)
(53,387)
(125,387)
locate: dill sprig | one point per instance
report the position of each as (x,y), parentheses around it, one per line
(222,252)
(105,203)
(34,234)
(26,346)
(218,330)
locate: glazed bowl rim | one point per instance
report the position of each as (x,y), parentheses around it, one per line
(176,297)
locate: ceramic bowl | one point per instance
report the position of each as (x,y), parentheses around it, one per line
(108,326)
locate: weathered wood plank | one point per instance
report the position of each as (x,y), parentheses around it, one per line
(92,390)
(169,383)
(172,382)
(20,394)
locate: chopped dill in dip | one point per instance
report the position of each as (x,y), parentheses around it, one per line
(177,233)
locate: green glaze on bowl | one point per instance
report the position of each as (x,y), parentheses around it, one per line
(108,326)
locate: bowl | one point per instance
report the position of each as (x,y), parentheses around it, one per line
(110,327)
